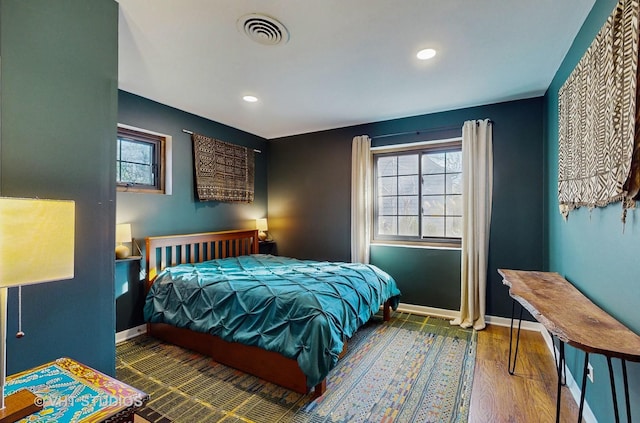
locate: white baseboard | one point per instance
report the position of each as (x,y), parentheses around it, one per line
(428,311)
(571,383)
(574,388)
(130,333)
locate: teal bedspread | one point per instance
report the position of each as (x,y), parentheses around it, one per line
(299,308)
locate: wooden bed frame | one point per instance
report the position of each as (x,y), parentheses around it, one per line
(163,251)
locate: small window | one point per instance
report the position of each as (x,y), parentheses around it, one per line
(418,194)
(141,160)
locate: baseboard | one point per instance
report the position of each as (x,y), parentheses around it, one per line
(130,333)
(571,383)
(428,311)
(574,388)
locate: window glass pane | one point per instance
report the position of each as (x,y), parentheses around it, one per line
(408,165)
(387,186)
(387,225)
(388,206)
(408,205)
(454,161)
(454,205)
(454,183)
(433,184)
(433,205)
(408,225)
(136,173)
(136,152)
(419,194)
(387,166)
(408,185)
(433,226)
(454,227)
(433,163)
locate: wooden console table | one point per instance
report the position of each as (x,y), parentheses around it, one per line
(573,319)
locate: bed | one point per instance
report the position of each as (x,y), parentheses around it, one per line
(284,320)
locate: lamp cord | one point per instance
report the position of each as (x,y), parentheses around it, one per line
(20,333)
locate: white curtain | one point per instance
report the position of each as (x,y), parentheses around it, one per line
(477,189)
(361,170)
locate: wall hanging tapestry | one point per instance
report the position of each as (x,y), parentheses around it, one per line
(223,171)
(597,118)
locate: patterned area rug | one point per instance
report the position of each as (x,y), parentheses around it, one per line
(412,369)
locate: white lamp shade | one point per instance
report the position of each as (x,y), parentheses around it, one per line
(37,240)
(261,224)
(123,232)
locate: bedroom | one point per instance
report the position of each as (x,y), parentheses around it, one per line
(51,150)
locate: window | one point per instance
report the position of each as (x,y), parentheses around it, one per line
(418,194)
(141,161)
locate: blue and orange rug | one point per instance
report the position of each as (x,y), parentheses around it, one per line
(412,369)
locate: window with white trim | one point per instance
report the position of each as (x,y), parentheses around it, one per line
(142,163)
(418,194)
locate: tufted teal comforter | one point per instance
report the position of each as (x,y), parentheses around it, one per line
(299,308)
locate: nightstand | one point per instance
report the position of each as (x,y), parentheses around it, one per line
(267,247)
(70,391)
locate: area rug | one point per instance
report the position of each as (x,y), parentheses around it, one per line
(412,369)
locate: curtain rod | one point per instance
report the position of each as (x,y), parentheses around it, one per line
(186,131)
(423,131)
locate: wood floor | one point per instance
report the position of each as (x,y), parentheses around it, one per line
(527,396)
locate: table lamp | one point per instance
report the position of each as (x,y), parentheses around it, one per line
(36,246)
(261,226)
(123,234)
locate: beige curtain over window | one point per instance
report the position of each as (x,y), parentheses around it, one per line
(361,169)
(477,190)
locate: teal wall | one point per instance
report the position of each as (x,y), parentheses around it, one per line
(58,85)
(592,249)
(310,206)
(181,212)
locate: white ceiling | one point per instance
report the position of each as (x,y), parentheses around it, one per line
(347,61)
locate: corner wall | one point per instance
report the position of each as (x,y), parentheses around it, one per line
(58,87)
(310,206)
(591,249)
(180,212)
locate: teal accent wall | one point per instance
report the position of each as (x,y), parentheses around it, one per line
(58,88)
(180,212)
(310,206)
(592,249)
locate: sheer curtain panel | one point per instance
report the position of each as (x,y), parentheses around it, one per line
(361,163)
(477,190)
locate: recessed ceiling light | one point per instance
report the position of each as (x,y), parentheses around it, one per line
(426,54)
(250,98)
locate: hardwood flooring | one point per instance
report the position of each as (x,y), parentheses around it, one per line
(527,396)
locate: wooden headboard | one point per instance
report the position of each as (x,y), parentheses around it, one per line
(163,251)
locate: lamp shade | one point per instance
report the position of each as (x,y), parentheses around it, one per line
(36,241)
(261,224)
(123,232)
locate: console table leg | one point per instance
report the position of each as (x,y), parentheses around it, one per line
(512,369)
(626,388)
(560,372)
(613,390)
(583,389)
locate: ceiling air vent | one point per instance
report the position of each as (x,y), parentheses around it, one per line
(263,29)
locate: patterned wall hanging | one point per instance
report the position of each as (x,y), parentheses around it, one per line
(223,171)
(597,118)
